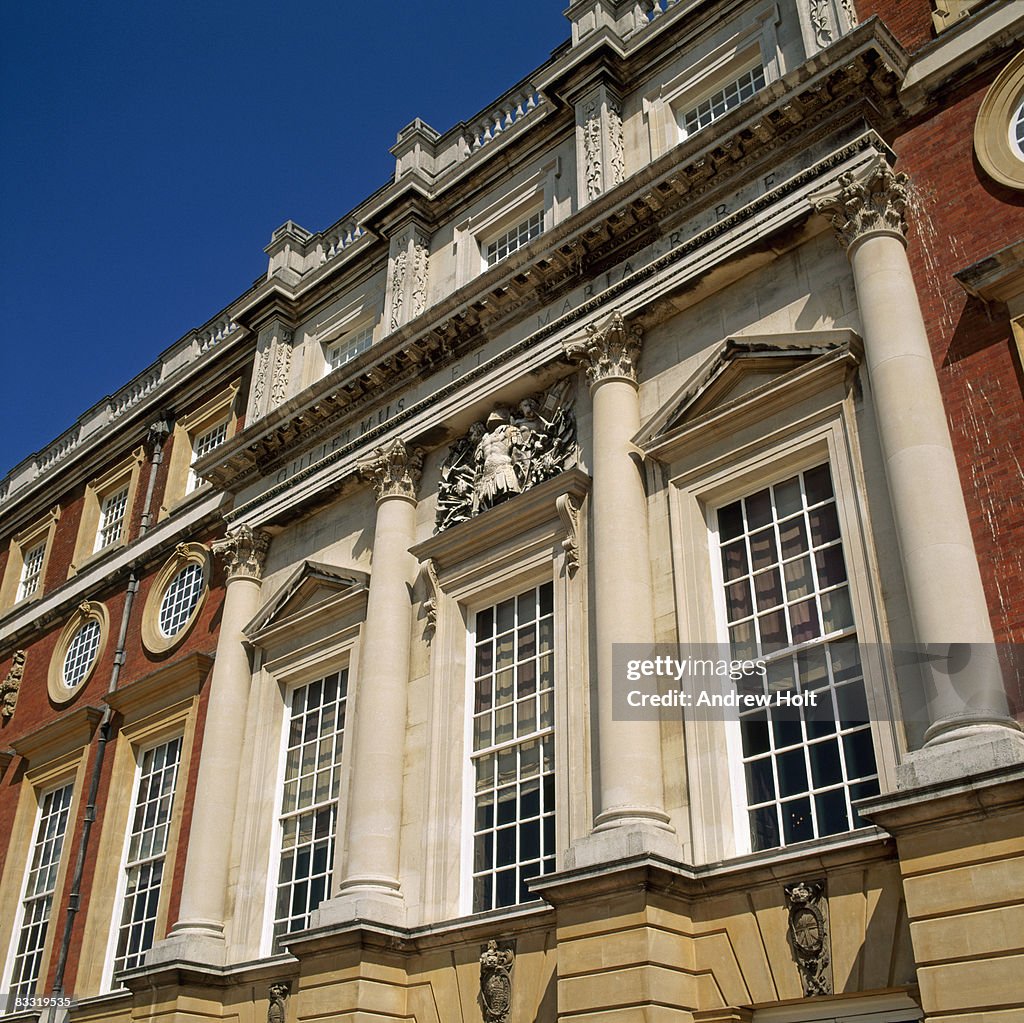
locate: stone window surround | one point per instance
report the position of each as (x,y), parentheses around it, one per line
(87,611)
(184,554)
(695,495)
(41,531)
(222,406)
(714,64)
(153,709)
(124,474)
(57,755)
(996,153)
(331,632)
(496,555)
(474,232)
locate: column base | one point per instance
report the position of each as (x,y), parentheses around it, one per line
(612,843)
(961,753)
(192,944)
(362,904)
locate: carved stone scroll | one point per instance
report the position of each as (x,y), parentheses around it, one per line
(430,605)
(11,685)
(872,200)
(512,451)
(277,995)
(496,983)
(610,352)
(569,513)
(244,551)
(808,935)
(393,470)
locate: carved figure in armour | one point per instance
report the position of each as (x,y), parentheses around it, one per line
(496,457)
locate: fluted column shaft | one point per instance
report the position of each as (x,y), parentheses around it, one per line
(629,752)
(944,587)
(375,803)
(203,912)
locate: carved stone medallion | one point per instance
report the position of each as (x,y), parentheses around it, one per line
(808,935)
(496,982)
(511,451)
(277,994)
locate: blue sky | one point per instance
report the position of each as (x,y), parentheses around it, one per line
(150,149)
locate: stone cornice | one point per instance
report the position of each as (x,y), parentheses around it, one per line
(69,732)
(173,683)
(859,79)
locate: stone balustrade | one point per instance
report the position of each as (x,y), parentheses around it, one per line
(516,104)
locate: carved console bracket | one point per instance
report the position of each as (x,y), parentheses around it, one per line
(430,605)
(277,995)
(608,353)
(808,935)
(496,982)
(11,685)
(569,513)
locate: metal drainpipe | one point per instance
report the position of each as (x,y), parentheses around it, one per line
(158,432)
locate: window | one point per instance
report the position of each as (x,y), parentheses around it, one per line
(40,886)
(347,347)
(176,597)
(78,650)
(1017,130)
(112,516)
(787,599)
(513,747)
(148,835)
(203,444)
(700,115)
(32,571)
(180,599)
(514,239)
(309,801)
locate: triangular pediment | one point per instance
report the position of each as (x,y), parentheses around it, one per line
(739,370)
(312,584)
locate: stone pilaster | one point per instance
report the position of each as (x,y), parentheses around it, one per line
(600,161)
(198,935)
(371,887)
(271,375)
(408,276)
(629,752)
(967,709)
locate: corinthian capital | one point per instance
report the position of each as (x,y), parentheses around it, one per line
(392,470)
(244,551)
(609,353)
(871,200)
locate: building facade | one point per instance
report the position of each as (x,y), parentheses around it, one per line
(580,584)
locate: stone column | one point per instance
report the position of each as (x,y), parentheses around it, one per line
(371,886)
(198,934)
(629,752)
(947,601)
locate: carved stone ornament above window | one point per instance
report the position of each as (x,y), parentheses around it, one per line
(513,450)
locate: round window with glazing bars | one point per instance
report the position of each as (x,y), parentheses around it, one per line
(81,653)
(180,600)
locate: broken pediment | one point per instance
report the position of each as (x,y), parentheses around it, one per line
(746,369)
(310,586)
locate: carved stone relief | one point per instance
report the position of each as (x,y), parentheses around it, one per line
(430,605)
(277,995)
(819,21)
(398,288)
(808,935)
(616,158)
(11,685)
(592,149)
(419,274)
(282,368)
(496,982)
(510,452)
(569,513)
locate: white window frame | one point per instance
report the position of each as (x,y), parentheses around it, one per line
(221,427)
(120,496)
(349,345)
(338,801)
(32,572)
(42,795)
(748,41)
(123,865)
(734,738)
(538,734)
(39,534)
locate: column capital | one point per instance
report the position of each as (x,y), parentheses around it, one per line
(393,470)
(871,200)
(244,551)
(609,353)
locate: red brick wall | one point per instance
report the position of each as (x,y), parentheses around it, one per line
(909,20)
(960,216)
